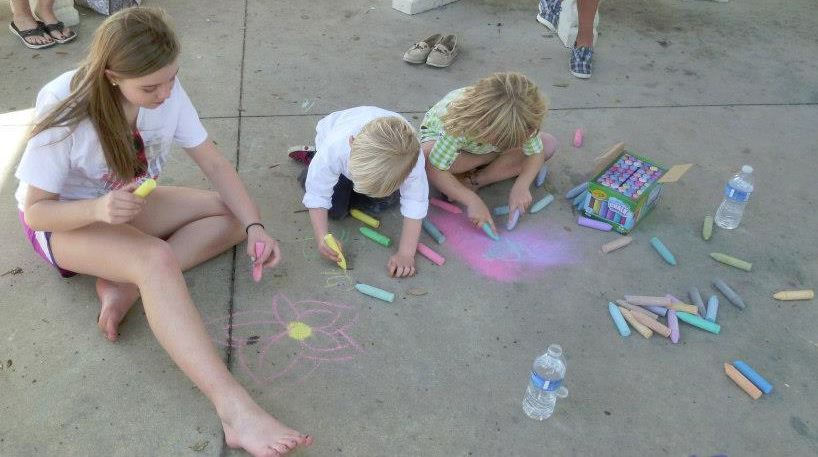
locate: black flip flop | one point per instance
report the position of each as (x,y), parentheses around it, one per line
(23,34)
(57,27)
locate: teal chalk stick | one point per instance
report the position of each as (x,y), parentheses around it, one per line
(663,250)
(580,199)
(489,232)
(697,321)
(542,203)
(576,191)
(373,291)
(619,320)
(433,231)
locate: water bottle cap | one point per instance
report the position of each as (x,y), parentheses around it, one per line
(746,169)
(555,350)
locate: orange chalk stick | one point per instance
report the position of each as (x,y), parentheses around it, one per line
(742,382)
(644,331)
(652,324)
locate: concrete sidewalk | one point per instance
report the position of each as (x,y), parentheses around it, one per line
(443,374)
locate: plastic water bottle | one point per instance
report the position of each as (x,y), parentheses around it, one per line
(545,384)
(736,195)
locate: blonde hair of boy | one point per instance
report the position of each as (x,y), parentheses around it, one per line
(503,109)
(133,42)
(382,155)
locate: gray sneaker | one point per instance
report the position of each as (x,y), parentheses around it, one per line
(420,50)
(443,53)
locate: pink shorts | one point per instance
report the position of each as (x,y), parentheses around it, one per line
(41,242)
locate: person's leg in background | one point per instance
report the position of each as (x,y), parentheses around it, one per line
(45,12)
(583,51)
(23,19)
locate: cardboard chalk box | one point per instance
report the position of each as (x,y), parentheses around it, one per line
(626,186)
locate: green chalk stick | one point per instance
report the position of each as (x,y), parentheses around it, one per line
(373,291)
(707,227)
(732,261)
(375,236)
(697,321)
(538,206)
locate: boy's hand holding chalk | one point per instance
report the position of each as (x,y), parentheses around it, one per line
(480,215)
(328,252)
(336,248)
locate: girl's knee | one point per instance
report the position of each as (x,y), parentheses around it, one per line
(549,143)
(157,255)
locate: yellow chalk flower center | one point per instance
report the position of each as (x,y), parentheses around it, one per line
(298,330)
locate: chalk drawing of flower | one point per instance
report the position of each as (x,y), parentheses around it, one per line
(289,341)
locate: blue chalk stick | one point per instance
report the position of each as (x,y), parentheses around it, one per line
(489,232)
(433,231)
(712,308)
(541,176)
(619,320)
(512,221)
(580,199)
(663,250)
(660,310)
(576,191)
(759,381)
(500,210)
(542,203)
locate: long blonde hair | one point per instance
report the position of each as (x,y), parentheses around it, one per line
(132,43)
(503,109)
(382,155)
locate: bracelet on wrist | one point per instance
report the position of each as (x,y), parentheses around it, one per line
(247,229)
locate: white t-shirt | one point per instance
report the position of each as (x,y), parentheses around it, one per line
(332,160)
(72,164)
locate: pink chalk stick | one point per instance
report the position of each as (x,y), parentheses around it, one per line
(258,267)
(446,206)
(427,252)
(594,224)
(673,323)
(578,138)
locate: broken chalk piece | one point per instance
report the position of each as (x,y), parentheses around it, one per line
(663,250)
(618,243)
(643,300)
(673,324)
(375,236)
(427,252)
(660,310)
(696,298)
(445,206)
(541,203)
(576,191)
(807,294)
(707,227)
(594,224)
(638,326)
(433,231)
(145,188)
(578,138)
(365,218)
(500,210)
(637,309)
(330,240)
(652,324)
(741,381)
(513,219)
(732,261)
(489,232)
(754,377)
(373,291)
(258,266)
(697,321)
(619,320)
(712,308)
(729,293)
(541,176)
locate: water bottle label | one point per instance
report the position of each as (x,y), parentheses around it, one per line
(736,195)
(542,384)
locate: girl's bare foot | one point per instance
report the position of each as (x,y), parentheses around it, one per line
(261,435)
(116,299)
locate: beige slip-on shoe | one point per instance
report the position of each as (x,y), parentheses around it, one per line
(420,50)
(443,53)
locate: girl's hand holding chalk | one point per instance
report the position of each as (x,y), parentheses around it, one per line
(144,189)
(270,256)
(257,267)
(519,198)
(401,266)
(119,206)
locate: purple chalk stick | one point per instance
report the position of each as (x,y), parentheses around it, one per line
(673,323)
(660,310)
(594,224)
(512,220)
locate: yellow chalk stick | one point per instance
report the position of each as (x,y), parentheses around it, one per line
(732,261)
(145,188)
(684,307)
(330,240)
(807,294)
(638,326)
(365,218)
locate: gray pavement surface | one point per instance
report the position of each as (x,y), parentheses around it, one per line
(442,374)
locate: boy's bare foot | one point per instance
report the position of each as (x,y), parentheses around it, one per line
(258,433)
(116,299)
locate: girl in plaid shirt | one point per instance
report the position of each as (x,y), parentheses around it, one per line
(487,133)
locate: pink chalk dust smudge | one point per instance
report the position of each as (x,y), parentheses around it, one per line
(519,255)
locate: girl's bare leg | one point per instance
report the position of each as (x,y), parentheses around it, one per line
(509,164)
(23,18)
(45,11)
(197,226)
(123,254)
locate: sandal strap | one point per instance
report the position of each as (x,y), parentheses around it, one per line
(55,27)
(36,31)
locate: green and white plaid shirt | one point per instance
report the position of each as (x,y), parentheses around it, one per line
(447,147)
